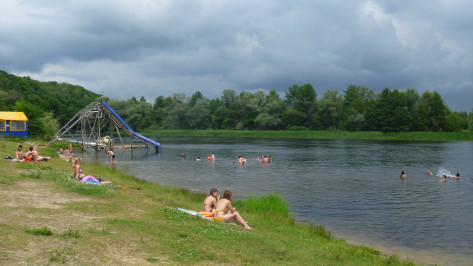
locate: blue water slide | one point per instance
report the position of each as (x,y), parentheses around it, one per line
(114,114)
(155,143)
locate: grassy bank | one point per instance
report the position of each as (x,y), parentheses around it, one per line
(48,218)
(316,134)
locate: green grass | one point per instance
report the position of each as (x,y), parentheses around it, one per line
(269,205)
(84,189)
(6,179)
(33,173)
(136,222)
(43,231)
(315,134)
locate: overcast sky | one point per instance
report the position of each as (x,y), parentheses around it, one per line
(127,48)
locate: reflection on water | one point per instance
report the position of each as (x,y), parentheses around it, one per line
(351,187)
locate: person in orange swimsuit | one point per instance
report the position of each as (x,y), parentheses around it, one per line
(210,203)
(224,212)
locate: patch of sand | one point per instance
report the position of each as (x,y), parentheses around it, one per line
(36,195)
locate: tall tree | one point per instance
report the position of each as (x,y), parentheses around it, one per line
(356,101)
(176,118)
(437,112)
(196,96)
(198,116)
(301,103)
(389,112)
(330,109)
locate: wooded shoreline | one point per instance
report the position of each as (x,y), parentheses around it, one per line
(315,134)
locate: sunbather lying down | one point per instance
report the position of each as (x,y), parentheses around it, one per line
(92,180)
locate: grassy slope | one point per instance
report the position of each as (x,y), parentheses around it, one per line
(371,135)
(135,222)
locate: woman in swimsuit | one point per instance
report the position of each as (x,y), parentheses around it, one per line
(211,201)
(224,211)
(77,172)
(20,156)
(37,157)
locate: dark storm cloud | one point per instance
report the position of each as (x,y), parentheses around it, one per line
(151,48)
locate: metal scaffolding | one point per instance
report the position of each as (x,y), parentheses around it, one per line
(87,127)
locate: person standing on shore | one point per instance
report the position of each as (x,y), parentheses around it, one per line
(111,154)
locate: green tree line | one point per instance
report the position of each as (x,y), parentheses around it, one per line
(357,108)
(50,104)
(46,104)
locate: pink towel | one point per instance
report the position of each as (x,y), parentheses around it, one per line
(85,178)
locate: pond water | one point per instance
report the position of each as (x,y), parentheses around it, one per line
(351,187)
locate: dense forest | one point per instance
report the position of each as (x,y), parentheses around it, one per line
(356,109)
(46,104)
(50,104)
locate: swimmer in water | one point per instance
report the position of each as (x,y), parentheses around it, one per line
(198,159)
(241,159)
(430,173)
(211,157)
(444,178)
(457,176)
(403,175)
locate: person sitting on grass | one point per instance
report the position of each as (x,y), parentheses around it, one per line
(29,156)
(210,203)
(224,212)
(37,157)
(77,172)
(20,156)
(92,180)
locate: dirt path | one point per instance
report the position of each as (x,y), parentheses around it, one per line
(30,204)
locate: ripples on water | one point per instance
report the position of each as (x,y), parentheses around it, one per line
(351,187)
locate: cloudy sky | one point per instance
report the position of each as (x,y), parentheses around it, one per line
(149,48)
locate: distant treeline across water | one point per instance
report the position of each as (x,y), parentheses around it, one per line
(49,105)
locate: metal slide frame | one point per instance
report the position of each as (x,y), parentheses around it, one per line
(91,121)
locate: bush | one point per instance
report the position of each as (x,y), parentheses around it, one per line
(43,231)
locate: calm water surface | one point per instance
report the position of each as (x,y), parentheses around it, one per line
(350,187)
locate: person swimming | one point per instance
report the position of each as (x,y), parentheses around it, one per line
(430,172)
(457,176)
(241,159)
(403,175)
(211,157)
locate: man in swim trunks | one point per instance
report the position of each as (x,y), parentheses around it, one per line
(111,154)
